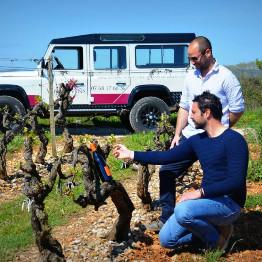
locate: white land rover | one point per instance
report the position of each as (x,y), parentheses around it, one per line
(138,76)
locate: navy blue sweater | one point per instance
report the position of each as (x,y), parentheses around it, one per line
(224,160)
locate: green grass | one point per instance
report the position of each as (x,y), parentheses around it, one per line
(117,172)
(255,170)
(15,227)
(251,122)
(214,256)
(253,201)
(18,142)
(250,119)
(113,121)
(138,141)
(15,144)
(60,208)
(133,142)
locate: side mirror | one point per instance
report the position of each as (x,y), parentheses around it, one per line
(43,64)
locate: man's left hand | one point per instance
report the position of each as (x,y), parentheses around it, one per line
(195,194)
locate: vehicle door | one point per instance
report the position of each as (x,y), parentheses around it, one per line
(109,74)
(69,64)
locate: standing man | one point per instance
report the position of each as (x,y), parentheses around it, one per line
(208,75)
(207,213)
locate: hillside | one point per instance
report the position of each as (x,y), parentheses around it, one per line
(245,70)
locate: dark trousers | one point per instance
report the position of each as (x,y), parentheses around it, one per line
(167,177)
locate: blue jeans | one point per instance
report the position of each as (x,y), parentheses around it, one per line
(197,219)
(167,177)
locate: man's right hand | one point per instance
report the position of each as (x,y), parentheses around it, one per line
(175,141)
(122,152)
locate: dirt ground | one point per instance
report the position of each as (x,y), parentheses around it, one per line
(82,238)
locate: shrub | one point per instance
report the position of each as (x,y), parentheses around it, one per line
(255,166)
(252,90)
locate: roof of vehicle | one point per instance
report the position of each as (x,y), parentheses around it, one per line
(126,38)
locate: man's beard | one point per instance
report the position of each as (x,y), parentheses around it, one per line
(200,125)
(203,67)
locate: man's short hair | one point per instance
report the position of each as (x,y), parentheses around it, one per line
(209,101)
(203,43)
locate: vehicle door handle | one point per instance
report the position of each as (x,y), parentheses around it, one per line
(121,84)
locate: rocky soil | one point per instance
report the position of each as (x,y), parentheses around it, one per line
(83,237)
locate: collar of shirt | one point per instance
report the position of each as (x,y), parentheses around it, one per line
(213,70)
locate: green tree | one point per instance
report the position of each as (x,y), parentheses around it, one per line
(259,64)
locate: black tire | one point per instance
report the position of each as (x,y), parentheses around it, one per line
(146,113)
(14,106)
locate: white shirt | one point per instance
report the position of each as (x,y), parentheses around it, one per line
(221,82)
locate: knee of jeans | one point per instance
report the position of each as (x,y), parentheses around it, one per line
(183,213)
(165,239)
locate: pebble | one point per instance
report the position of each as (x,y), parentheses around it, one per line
(76,242)
(87,235)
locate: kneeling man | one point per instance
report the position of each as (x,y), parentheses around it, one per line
(207,213)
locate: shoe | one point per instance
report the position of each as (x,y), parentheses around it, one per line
(155,225)
(225,235)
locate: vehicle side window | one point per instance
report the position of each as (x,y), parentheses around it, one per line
(152,56)
(109,57)
(67,58)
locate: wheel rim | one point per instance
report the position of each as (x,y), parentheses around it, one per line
(149,116)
